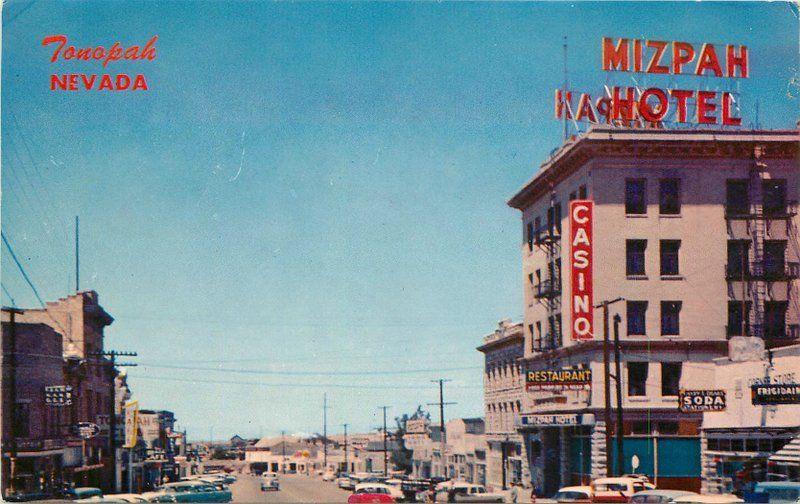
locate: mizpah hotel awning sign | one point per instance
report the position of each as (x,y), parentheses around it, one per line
(654,106)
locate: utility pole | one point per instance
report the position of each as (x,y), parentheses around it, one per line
(346,466)
(325,431)
(618,380)
(443,434)
(283,450)
(112,414)
(385,452)
(607,382)
(77,257)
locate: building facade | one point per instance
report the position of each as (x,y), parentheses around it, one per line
(503,393)
(696,232)
(751,439)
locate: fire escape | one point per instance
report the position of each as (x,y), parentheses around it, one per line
(548,290)
(767,272)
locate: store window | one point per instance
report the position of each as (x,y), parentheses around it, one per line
(635,196)
(637,378)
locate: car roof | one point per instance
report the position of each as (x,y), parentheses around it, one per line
(710,499)
(666,493)
(617,480)
(778,484)
(576,489)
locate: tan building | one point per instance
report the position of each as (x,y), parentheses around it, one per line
(697,231)
(503,392)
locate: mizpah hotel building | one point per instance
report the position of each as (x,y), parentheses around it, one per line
(697,232)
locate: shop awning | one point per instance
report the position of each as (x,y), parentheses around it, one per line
(789,454)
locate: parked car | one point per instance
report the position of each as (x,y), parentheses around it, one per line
(83,493)
(466,492)
(191,491)
(708,499)
(780,492)
(370,494)
(329,476)
(268,484)
(573,494)
(395,492)
(616,489)
(659,496)
(345,483)
(122,498)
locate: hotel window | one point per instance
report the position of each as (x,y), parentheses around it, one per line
(558,340)
(737,197)
(669,257)
(738,313)
(635,196)
(538,341)
(530,278)
(529,231)
(774,258)
(669,196)
(537,224)
(775,319)
(572,196)
(670,318)
(738,259)
(670,378)
(634,257)
(636,314)
(582,192)
(637,378)
(774,191)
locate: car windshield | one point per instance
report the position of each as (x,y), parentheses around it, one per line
(570,496)
(611,487)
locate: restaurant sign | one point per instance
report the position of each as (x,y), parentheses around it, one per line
(774,393)
(561,379)
(581,298)
(653,105)
(690,401)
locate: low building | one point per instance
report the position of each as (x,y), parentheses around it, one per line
(751,438)
(503,393)
(466,450)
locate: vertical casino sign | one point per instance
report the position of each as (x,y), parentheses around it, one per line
(580,254)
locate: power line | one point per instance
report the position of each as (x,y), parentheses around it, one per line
(22,270)
(312,373)
(8,294)
(288,384)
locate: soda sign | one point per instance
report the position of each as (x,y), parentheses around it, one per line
(690,401)
(580,239)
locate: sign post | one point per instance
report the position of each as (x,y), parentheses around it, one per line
(131,431)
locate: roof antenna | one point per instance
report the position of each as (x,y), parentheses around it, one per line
(564,93)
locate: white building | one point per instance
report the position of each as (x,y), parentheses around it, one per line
(503,392)
(746,441)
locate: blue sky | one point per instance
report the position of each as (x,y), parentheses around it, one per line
(312,187)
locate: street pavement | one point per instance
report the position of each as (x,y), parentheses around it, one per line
(294,488)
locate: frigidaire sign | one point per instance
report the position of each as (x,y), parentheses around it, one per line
(653,105)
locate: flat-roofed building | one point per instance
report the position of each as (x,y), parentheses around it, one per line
(696,231)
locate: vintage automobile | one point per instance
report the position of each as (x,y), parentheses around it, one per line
(659,496)
(191,491)
(368,494)
(465,492)
(617,489)
(270,483)
(780,492)
(573,494)
(394,491)
(708,499)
